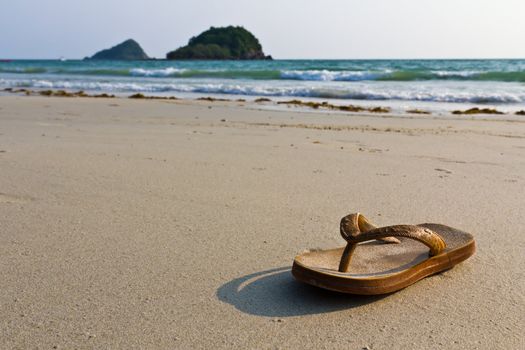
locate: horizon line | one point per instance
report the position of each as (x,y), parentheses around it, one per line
(277,59)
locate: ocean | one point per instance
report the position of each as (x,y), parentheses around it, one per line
(438,85)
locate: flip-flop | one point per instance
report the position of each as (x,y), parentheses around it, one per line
(384,264)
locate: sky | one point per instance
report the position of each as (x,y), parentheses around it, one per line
(294,29)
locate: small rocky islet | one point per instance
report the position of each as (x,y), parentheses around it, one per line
(223,43)
(126,50)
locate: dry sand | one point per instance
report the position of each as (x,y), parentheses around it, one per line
(153,224)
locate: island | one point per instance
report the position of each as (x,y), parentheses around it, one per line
(127,50)
(224,43)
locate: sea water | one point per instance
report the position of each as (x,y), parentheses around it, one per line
(441,85)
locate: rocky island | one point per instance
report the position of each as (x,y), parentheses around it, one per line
(224,43)
(127,50)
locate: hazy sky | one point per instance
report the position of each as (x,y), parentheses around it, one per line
(286,28)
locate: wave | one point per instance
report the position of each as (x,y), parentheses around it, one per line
(154,73)
(327,75)
(30,70)
(166,72)
(408,75)
(518,76)
(211,73)
(349,92)
(276,74)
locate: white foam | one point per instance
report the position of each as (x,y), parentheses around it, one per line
(327,75)
(471,93)
(453,74)
(166,72)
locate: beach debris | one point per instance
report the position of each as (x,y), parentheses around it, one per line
(477,110)
(522,112)
(263,99)
(27,92)
(212,99)
(142,96)
(418,111)
(46,93)
(379,110)
(58,93)
(347,108)
(314,105)
(104,95)
(63,93)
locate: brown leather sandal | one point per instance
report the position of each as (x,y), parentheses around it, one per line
(379,268)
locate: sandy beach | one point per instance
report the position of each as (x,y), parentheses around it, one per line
(155,224)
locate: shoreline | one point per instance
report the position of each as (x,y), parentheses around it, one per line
(304,105)
(437,86)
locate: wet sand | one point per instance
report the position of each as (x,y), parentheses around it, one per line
(173,224)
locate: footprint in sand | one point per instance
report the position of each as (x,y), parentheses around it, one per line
(372,150)
(446,171)
(9,198)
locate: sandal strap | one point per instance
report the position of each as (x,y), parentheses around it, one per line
(354,224)
(355,228)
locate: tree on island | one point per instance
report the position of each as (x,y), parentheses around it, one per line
(127,50)
(225,43)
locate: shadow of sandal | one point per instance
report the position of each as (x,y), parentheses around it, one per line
(275,293)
